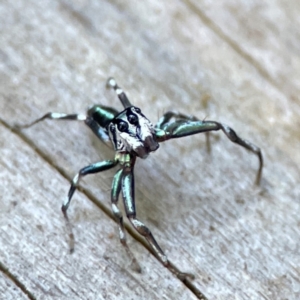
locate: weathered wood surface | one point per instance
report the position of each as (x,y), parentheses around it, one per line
(237,62)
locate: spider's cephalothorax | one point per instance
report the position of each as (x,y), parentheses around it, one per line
(130,131)
(132,135)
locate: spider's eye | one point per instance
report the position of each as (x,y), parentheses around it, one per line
(138,110)
(133,119)
(122,126)
(112,128)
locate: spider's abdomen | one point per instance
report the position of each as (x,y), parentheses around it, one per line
(102,114)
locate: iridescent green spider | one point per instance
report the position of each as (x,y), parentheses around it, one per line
(132,135)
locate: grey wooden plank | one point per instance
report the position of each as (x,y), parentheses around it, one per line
(9,290)
(266,33)
(232,236)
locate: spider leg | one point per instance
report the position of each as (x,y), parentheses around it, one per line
(115,192)
(55,116)
(111,83)
(91,169)
(129,204)
(167,117)
(181,127)
(164,121)
(89,121)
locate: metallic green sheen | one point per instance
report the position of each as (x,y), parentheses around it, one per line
(189,128)
(128,193)
(99,167)
(160,135)
(102,114)
(116,186)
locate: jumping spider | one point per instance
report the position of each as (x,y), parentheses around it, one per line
(132,135)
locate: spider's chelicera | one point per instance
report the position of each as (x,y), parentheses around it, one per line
(132,135)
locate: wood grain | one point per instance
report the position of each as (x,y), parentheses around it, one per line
(225,61)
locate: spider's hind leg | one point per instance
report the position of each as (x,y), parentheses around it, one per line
(185,126)
(54,116)
(173,117)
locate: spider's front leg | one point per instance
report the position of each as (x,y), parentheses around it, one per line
(129,204)
(115,192)
(90,169)
(185,125)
